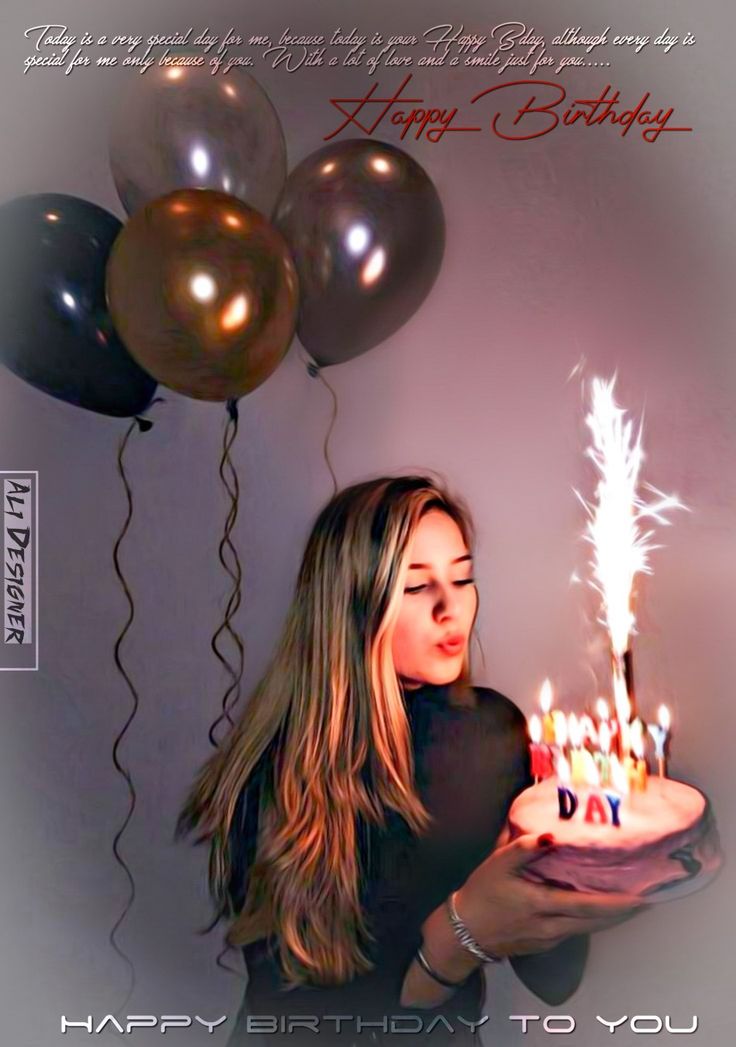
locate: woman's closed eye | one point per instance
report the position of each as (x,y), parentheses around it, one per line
(418,588)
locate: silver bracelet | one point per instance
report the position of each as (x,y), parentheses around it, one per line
(424,962)
(464,936)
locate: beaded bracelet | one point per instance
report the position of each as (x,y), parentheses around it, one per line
(465,937)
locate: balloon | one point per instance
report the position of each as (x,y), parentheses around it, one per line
(55,330)
(367,232)
(204,293)
(181,127)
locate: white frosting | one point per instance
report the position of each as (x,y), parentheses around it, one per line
(667,807)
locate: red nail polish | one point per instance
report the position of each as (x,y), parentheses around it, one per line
(546,840)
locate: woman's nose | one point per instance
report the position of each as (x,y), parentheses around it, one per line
(448,602)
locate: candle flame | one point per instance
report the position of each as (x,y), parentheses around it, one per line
(535,729)
(545,695)
(620,548)
(601,707)
(664,717)
(592,770)
(619,777)
(604,738)
(636,729)
(589,731)
(574,730)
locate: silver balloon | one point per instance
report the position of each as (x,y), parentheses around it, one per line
(180,127)
(367,232)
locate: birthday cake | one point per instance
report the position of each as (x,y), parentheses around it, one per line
(616,828)
(643,843)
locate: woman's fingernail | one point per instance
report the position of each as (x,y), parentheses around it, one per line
(545,840)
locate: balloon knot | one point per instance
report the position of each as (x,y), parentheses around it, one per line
(232,409)
(312,370)
(144,424)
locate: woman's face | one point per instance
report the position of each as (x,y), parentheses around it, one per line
(438,606)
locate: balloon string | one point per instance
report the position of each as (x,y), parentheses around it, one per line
(144,425)
(315,371)
(229,478)
(233,490)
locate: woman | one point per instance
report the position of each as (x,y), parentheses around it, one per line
(356,812)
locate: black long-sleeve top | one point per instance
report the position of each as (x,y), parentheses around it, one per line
(470,764)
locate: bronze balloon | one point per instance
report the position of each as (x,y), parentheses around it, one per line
(180,127)
(367,232)
(204,294)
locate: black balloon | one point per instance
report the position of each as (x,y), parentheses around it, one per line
(367,232)
(55,329)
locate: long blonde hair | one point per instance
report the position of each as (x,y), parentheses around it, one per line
(329,723)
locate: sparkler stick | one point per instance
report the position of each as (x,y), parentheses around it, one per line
(620,547)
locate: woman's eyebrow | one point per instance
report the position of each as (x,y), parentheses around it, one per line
(459,559)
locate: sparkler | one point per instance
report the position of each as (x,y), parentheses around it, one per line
(621,547)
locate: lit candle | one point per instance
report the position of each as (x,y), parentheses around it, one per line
(629,766)
(589,732)
(535,733)
(592,773)
(604,716)
(566,798)
(541,754)
(591,768)
(619,778)
(659,733)
(600,808)
(615,733)
(636,729)
(560,722)
(602,758)
(641,772)
(562,767)
(575,733)
(548,724)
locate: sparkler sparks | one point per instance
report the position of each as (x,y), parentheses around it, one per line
(621,547)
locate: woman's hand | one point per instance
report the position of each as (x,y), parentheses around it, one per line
(509,916)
